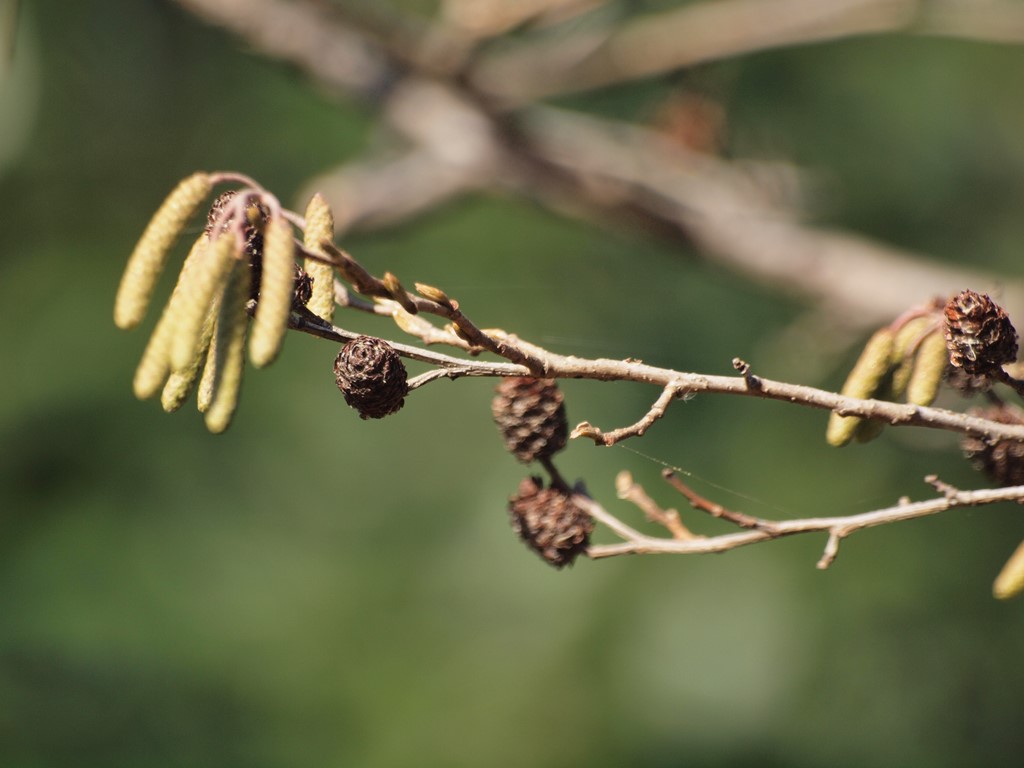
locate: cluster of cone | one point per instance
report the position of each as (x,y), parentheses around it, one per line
(964,342)
(530,413)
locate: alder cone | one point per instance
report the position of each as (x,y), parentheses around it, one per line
(1003,460)
(550,522)
(979,334)
(303,288)
(531,416)
(371,376)
(967,384)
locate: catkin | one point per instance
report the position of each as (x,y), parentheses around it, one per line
(319,227)
(929,367)
(150,255)
(904,352)
(179,383)
(229,349)
(155,365)
(198,294)
(204,395)
(277,286)
(1010,581)
(864,380)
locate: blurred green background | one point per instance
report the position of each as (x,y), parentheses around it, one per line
(313,589)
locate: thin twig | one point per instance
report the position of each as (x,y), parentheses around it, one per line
(628,490)
(389,288)
(743,368)
(623,531)
(713,508)
(586,429)
(1002,376)
(454,367)
(837,528)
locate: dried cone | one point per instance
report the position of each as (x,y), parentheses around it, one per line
(371,376)
(979,334)
(531,416)
(1003,460)
(966,384)
(256,216)
(550,522)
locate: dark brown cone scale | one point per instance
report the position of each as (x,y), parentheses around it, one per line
(979,334)
(1002,461)
(254,247)
(303,288)
(968,385)
(371,376)
(549,522)
(531,416)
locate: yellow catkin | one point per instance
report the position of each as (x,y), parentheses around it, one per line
(180,383)
(232,322)
(198,294)
(277,286)
(904,352)
(319,227)
(204,395)
(863,382)
(929,368)
(155,365)
(1010,581)
(150,255)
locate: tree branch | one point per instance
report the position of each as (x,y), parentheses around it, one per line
(734,221)
(682,383)
(837,528)
(662,42)
(658,43)
(634,493)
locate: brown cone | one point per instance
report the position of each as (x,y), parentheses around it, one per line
(253,233)
(531,416)
(371,376)
(258,213)
(979,334)
(550,522)
(1002,461)
(966,384)
(303,288)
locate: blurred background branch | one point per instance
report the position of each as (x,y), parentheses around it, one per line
(463,131)
(658,43)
